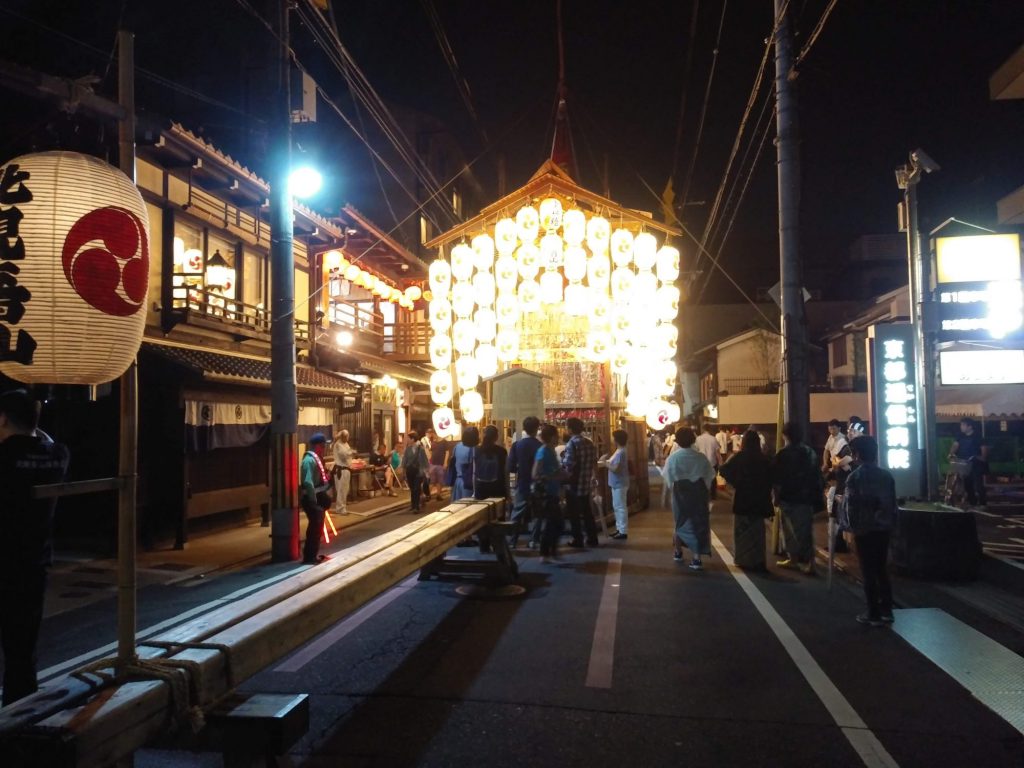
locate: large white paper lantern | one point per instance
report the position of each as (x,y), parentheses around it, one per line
(622,284)
(466,372)
(440,351)
(506,273)
(440,310)
(575,299)
(659,414)
(622,322)
(464,336)
(668,264)
(575,263)
(550,214)
(598,232)
(529,296)
(645,250)
(600,310)
(505,237)
(483,251)
(483,288)
(667,302)
(620,357)
(645,286)
(507,345)
(486,325)
(528,258)
(598,271)
(463,260)
(527,224)
(551,287)
(444,422)
(75,271)
(552,253)
(506,308)
(486,360)
(599,346)
(622,247)
(463,299)
(472,405)
(440,277)
(441,387)
(668,336)
(574,226)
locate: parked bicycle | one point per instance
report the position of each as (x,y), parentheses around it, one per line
(954,493)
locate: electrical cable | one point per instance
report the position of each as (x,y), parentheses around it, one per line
(687,71)
(815,33)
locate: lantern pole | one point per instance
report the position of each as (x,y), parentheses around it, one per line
(284,408)
(129,394)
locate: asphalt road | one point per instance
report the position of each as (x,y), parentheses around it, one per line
(702,669)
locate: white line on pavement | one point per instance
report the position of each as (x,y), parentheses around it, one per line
(863,741)
(302,657)
(51,672)
(602,652)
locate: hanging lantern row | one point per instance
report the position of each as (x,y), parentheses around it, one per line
(335,261)
(624,284)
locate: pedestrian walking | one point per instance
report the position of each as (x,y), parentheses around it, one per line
(490,480)
(343,455)
(618,483)
(461,472)
(749,472)
(520,464)
(689,474)
(27,458)
(427,441)
(579,460)
(723,443)
(547,488)
(869,509)
(836,465)
(800,492)
(415,462)
(439,450)
(971,446)
(313,497)
(707,444)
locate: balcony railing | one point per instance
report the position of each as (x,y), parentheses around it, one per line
(408,341)
(755,386)
(211,309)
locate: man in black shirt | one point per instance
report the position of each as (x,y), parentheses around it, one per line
(27,459)
(970,446)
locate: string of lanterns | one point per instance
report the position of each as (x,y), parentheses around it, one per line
(623,284)
(335,262)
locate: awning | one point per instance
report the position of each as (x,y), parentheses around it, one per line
(981,401)
(379,366)
(252,370)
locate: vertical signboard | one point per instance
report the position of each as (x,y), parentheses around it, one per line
(895,398)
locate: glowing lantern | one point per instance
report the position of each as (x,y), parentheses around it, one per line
(622,283)
(486,360)
(75,269)
(483,251)
(622,247)
(667,302)
(383,290)
(464,336)
(508,346)
(645,287)
(441,387)
(529,296)
(575,263)
(440,311)
(364,278)
(507,310)
(395,295)
(551,253)
(352,273)
(372,283)
(472,405)
(527,224)
(667,374)
(466,373)
(658,414)
(598,271)
(636,405)
(440,277)
(463,299)
(505,236)
(668,336)
(622,322)
(620,358)
(599,346)
(440,351)
(551,214)
(600,310)
(462,261)
(506,273)
(444,422)
(645,250)
(486,325)
(575,299)
(551,287)
(668,264)
(574,226)
(483,288)
(598,230)
(528,258)
(333,259)
(413,293)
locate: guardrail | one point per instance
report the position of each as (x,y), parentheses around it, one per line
(89,719)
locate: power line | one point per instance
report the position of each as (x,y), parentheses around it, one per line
(687,70)
(815,33)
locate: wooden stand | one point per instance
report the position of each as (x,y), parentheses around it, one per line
(254,730)
(501,571)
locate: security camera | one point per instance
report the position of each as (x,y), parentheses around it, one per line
(921,159)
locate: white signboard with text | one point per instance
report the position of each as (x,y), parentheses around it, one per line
(895,398)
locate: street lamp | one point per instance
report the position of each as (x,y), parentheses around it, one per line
(304,182)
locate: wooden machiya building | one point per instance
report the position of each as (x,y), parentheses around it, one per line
(204,365)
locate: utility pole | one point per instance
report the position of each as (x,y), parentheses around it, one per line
(794,334)
(919,285)
(284,407)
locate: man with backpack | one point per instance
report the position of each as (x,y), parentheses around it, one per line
(490,480)
(415,463)
(799,493)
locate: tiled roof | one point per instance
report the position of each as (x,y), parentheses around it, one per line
(216,366)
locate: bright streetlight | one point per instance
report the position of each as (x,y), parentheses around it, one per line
(304,182)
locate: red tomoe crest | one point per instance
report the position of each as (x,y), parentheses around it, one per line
(444,423)
(106,260)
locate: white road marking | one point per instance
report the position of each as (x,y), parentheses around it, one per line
(986,514)
(98,653)
(602,651)
(863,741)
(308,653)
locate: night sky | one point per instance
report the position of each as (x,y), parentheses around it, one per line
(884,77)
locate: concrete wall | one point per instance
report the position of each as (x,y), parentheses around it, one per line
(742,410)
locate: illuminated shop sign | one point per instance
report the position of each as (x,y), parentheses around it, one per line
(895,397)
(982,366)
(978,290)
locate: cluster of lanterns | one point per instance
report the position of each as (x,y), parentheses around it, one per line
(335,261)
(623,284)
